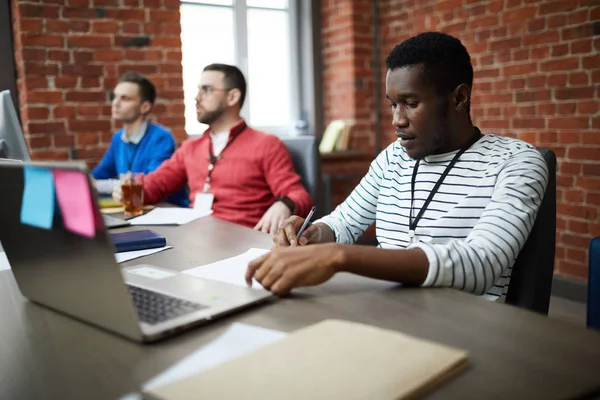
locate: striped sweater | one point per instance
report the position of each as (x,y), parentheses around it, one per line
(477,222)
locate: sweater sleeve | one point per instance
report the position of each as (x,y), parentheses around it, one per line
(282,177)
(108,166)
(351,218)
(162,150)
(491,248)
(168,178)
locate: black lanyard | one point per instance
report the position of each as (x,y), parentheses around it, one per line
(412,225)
(131,161)
(213,159)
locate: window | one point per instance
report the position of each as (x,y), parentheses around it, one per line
(261,37)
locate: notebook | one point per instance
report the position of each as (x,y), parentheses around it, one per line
(332,359)
(137,240)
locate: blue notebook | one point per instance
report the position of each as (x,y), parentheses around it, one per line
(137,240)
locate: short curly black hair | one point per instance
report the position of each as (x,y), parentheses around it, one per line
(445,60)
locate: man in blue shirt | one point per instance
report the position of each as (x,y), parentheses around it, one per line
(141,145)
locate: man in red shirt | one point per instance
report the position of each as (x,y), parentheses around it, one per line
(246,176)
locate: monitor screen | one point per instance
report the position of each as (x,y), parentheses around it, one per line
(12,141)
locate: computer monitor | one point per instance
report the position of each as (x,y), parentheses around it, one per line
(12,141)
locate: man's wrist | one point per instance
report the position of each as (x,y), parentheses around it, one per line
(288,202)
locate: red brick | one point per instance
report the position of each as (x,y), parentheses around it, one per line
(141,68)
(87,82)
(593,199)
(520,69)
(174,41)
(591,170)
(65,140)
(536,25)
(83,57)
(134,55)
(105,26)
(588,107)
(78,3)
(546,109)
(557,80)
(494,124)
(577,32)
(170,28)
(590,138)
(43,11)
(46,127)
(108,55)
(528,123)
(131,3)
(131,27)
(566,108)
(557,6)
(545,37)
(578,78)
(41,40)
(126,14)
(578,211)
(574,93)
(536,81)
(36,82)
(566,64)
(88,111)
(86,97)
(91,153)
(487,73)
(36,113)
(49,155)
(58,55)
(577,255)
(560,50)
(569,123)
(573,270)
(548,138)
(538,53)
(483,22)
(43,96)
(87,41)
(533,96)
(164,15)
(519,14)
(505,44)
(64,111)
(88,125)
(78,12)
(517,83)
(65,82)
(88,139)
(34,54)
(591,62)
(39,141)
(32,24)
(566,167)
(57,26)
(81,69)
(79,26)
(590,184)
(556,21)
(584,153)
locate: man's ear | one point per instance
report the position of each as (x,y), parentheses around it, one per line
(462,97)
(146,107)
(233,97)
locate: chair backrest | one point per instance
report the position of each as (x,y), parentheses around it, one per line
(531,279)
(306,160)
(593,306)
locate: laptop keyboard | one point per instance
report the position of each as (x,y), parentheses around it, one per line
(153,308)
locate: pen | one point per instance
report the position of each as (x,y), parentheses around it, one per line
(306,221)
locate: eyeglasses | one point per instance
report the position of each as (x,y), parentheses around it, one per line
(208,90)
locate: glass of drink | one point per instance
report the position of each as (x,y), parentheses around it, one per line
(132,188)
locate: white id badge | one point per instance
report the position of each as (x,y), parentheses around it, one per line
(203,202)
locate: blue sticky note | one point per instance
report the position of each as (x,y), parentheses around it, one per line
(37,207)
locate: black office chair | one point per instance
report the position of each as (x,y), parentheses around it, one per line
(531,280)
(305,157)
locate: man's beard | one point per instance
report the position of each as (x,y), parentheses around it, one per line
(211,116)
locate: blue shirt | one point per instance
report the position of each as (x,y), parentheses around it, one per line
(156,145)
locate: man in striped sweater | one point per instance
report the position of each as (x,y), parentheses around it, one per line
(452,208)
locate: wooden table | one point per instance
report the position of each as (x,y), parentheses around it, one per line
(513,353)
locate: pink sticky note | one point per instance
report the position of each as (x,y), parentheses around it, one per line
(75,201)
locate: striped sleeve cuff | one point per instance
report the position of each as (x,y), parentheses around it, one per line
(435,275)
(334,225)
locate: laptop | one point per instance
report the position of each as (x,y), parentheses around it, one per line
(79,276)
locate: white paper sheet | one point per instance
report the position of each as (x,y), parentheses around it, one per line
(239,339)
(231,270)
(130,255)
(4,264)
(169,216)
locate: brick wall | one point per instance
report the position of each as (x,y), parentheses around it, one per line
(69,55)
(537,78)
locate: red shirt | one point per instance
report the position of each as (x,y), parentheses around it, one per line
(252,172)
